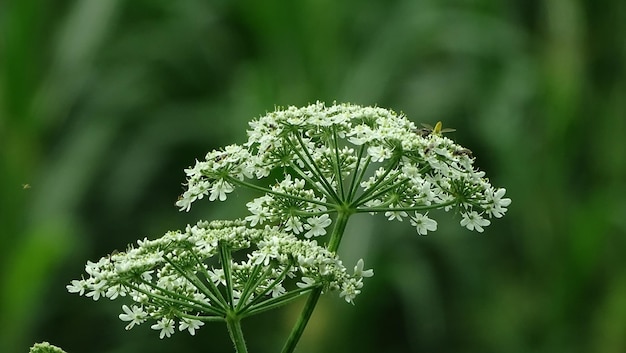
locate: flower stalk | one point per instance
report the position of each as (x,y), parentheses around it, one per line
(309,306)
(233,323)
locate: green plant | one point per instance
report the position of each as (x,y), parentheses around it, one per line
(45,347)
(313,167)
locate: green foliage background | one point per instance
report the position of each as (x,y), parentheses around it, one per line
(104,102)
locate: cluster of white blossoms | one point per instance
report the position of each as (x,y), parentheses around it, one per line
(313,166)
(215,269)
(366,159)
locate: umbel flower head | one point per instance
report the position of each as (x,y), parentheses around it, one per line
(213,270)
(346,158)
(313,167)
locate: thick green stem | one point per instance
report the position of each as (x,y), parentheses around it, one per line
(338,230)
(309,306)
(236,334)
(307,311)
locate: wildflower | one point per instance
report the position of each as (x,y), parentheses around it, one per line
(77,286)
(317,226)
(423,224)
(359,272)
(326,163)
(306,282)
(185,201)
(325,155)
(379,153)
(496,204)
(190,325)
(398,215)
(136,315)
(164,275)
(474,221)
(166,325)
(219,190)
(351,289)
(217,276)
(278,290)
(97,289)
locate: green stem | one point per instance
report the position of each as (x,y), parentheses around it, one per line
(233,323)
(307,311)
(313,183)
(381,180)
(277,193)
(359,171)
(384,189)
(183,301)
(309,306)
(312,166)
(412,208)
(338,164)
(225,258)
(338,230)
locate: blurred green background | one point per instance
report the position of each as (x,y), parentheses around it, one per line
(104,102)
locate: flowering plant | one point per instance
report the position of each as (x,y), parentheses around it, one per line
(313,167)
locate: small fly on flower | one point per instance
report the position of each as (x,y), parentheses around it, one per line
(463,152)
(113,253)
(437,130)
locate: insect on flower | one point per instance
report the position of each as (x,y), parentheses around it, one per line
(463,152)
(437,130)
(220,157)
(113,253)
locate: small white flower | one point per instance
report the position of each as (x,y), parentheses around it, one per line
(136,315)
(423,224)
(359,272)
(255,218)
(185,201)
(93,268)
(258,209)
(317,226)
(190,325)
(351,289)
(498,205)
(217,276)
(474,221)
(200,188)
(115,291)
(294,224)
(306,282)
(379,153)
(391,215)
(219,190)
(166,325)
(76,286)
(97,289)
(196,171)
(278,290)
(360,134)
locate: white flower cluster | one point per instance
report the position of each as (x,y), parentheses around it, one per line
(367,159)
(212,270)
